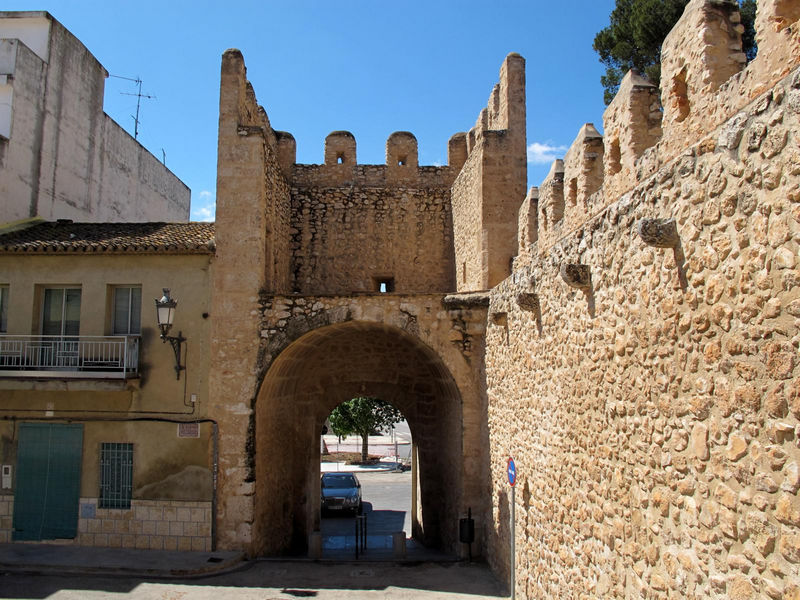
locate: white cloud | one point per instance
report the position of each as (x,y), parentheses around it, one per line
(206,207)
(544,153)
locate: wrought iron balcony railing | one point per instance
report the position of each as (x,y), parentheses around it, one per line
(79,357)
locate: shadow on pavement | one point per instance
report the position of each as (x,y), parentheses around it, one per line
(276,579)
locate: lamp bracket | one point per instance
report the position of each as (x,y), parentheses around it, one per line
(175,342)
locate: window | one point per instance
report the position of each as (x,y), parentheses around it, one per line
(384,284)
(116,475)
(3,308)
(61,311)
(127,318)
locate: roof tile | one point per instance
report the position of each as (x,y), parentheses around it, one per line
(110,238)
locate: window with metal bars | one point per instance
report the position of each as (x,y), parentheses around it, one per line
(116,475)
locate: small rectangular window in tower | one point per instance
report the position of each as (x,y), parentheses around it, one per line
(116,475)
(384,284)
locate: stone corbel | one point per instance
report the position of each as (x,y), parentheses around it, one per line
(528,301)
(576,275)
(500,319)
(661,233)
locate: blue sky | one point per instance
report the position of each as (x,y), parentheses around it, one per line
(369,67)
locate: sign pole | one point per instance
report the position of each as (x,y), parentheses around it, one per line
(511,471)
(513,545)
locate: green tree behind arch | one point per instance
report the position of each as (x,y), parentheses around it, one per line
(363,416)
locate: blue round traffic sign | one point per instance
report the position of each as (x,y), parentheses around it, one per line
(511,469)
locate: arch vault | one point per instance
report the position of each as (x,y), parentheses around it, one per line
(314,374)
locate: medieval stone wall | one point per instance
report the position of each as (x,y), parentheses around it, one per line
(467,226)
(650,394)
(252,257)
(491,184)
(420,352)
(353,236)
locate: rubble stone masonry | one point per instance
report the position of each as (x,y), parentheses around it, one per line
(351,237)
(638,356)
(654,415)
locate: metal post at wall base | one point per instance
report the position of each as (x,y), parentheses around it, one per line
(361,534)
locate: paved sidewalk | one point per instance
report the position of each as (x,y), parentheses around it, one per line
(58,558)
(388,463)
(62,572)
(272,580)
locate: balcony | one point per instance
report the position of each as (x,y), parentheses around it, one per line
(75,357)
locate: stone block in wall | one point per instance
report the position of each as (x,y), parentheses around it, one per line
(631,125)
(402,158)
(340,157)
(551,203)
(457,150)
(475,134)
(687,467)
(703,51)
(491,186)
(528,223)
(287,152)
(583,174)
(778,39)
(510,110)
(340,148)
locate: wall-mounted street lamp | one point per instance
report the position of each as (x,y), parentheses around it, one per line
(165,312)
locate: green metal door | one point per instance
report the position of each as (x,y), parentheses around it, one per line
(48,481)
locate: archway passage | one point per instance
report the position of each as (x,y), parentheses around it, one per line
(315,374)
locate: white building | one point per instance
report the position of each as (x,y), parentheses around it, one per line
(61,156)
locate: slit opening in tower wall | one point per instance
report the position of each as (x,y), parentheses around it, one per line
(614,157)
(572,194)
(384,285)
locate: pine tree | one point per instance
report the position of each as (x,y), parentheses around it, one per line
(638,28)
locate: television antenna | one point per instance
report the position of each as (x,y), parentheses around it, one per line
(139,95)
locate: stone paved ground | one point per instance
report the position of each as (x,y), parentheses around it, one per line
(269,580)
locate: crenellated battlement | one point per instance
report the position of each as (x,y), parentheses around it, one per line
(704,81)
(638,355)
(492,182)
(371,176)
(340,149)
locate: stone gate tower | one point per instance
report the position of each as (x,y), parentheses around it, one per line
(343,279)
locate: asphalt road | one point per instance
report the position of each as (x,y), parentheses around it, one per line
(387,504)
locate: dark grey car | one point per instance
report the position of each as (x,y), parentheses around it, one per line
(341,492)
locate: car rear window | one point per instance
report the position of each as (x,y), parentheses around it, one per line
(338,481)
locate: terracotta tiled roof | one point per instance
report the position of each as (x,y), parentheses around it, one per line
(45,237)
